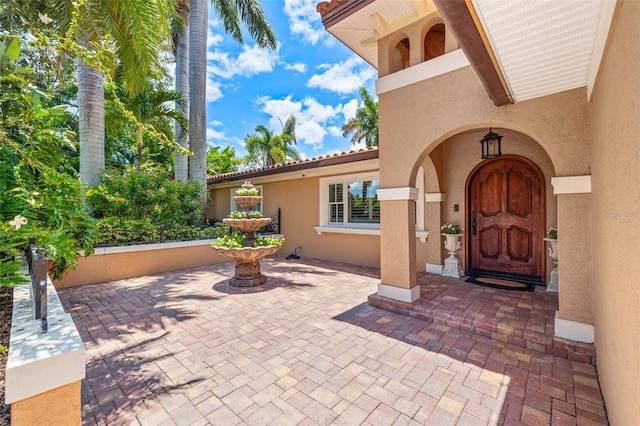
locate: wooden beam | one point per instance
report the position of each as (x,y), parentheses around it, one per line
(469,33)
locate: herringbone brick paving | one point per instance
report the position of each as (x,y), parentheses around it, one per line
(306,348)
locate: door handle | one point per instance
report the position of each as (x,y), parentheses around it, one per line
(474,222)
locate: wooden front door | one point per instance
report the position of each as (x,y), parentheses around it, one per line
(506,217)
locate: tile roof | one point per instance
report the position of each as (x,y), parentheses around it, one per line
(309,163)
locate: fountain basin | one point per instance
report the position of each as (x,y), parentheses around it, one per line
(247,201)
(247,225)
(247,259)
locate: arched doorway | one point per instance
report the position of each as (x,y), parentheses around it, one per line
(506,217)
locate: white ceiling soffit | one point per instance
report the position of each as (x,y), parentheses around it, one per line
(546,46)
(360,30)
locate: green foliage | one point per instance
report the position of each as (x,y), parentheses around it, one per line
(448,228)
(244,192)
(40,195)
(233,240)
(151,194)
(219,162)
(115,230)
(266,149)
(268,241)
(255,214)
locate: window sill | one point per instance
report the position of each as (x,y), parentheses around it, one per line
(361,231)
(343,230)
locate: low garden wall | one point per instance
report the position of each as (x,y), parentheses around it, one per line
(44,369)
(115,263)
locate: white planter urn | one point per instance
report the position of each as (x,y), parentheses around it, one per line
(452,267)
(552,285)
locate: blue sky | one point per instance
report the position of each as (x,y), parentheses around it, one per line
(310,75)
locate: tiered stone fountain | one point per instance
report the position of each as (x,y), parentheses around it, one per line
(247,258)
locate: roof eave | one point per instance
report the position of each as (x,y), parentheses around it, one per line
(312,164)
(464,27)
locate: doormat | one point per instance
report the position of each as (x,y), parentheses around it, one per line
(502,284)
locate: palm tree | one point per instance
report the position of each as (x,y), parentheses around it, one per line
(135,30)
(180,34)
(232,13)
(219,162)
(153,115)
(364,126)
(266,149)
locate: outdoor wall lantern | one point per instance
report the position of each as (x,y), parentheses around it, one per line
(491,145)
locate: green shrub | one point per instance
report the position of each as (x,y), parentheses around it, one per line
(116,231)
(268,241)
(151,194)
(233,240)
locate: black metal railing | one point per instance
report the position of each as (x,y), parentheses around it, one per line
(38,270)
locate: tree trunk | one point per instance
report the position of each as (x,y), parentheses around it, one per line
(182,86)
(91,123)
(139,135)
(198,21)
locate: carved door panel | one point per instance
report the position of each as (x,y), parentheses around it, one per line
(507,217)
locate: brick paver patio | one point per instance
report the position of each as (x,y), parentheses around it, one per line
(306,348)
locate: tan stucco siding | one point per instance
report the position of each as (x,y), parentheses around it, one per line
(101,268)
(59,406)
(416,118)
(616,218)
(298,201)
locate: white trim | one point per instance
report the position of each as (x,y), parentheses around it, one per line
(602,33)
(398,194)
(39,362)
(409,295)
(434,269)
(423,235)
(423,71)
(420,206)
(148,247)
(573,330)
(571,184)
(344,230)
(434,197)
(323,191)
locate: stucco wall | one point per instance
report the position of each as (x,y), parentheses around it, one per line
(298,200)
(420,116)
(59,406)
(616,218)
(116,263)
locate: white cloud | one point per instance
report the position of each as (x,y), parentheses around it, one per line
(334,131)
(215,136)
(311,133)
(213,39)
(318,112)
(213,89)
(349,109)
(343,77)
(304,20)
(251,61)
(255,60)
(298,66)
(313,119)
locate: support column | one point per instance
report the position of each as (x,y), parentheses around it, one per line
(574,320)
(397,244)
(433,216)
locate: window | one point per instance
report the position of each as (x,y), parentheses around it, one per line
(234,207)
(350,201)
